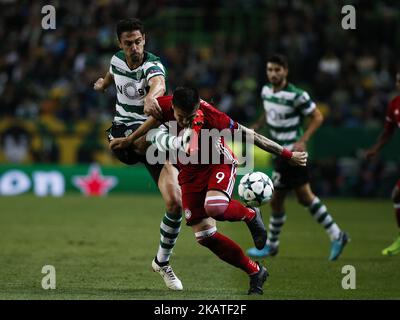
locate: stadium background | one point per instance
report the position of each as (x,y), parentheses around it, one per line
(51,112)
(52,121)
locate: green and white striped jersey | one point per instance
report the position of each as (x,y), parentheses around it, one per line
(284,112)
(132,86)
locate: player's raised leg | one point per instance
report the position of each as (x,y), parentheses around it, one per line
(276,222)
(219,206)
(394,248)
(170,225)
(320,213)
(229,251)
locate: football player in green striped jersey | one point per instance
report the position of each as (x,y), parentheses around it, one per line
(285,106)
(140,78)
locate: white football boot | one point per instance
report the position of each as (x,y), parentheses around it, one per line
(166,272)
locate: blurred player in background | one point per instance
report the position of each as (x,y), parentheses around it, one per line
(139,77)
(285,107)
(392,121)
(207,187)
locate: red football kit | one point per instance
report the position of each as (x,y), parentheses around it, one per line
(392,119)
(196,179)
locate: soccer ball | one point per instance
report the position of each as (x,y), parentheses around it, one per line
(255,189)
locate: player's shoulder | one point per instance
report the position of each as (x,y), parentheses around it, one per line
(214,118)
(152,65)
(165,101)
(119,55)
(151,60)
(150,57)
(266,88)
(300,96)
(208,108)
(295,89)
(118,59)
(211,113)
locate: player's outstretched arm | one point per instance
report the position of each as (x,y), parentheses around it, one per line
(187,143)
(295,158)
(384,138)
(316,119)
(122,143)
(102,84)
(157,89)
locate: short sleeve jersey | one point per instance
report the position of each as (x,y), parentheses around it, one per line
(132,86)
(284,112)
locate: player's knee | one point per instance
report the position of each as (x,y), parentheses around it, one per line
(205,237)
(173,205)
(305,199)
(215,207)
(215,211)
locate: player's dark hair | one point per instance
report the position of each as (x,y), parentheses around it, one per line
(185,98)
(131,24)
(279,59)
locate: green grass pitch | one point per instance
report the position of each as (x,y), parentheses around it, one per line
(102,248)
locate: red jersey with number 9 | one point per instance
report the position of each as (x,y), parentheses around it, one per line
(213,119)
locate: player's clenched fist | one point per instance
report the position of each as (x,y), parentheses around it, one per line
(298,158)
(151,107)
(119,143)
(99,85)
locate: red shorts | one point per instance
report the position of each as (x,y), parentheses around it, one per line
(195,184)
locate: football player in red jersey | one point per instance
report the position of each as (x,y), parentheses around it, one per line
(207,186)
(392,121)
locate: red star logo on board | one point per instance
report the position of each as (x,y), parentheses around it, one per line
(94,184)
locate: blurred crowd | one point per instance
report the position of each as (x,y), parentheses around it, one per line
(219,46)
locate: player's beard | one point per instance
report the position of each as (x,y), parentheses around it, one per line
(136,57)
(278,83)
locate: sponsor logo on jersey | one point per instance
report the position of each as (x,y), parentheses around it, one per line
(139,75)
(130,90)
